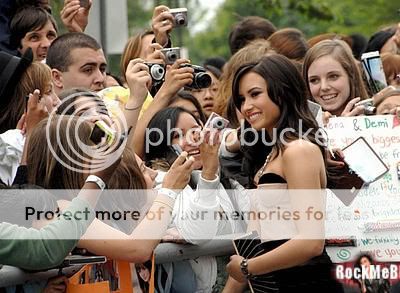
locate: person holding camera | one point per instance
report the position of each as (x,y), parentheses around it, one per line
(208,193)
(176,77)
(206,95)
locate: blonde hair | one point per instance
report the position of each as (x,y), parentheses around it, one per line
(341,52)
(250,53)
(36,76)
(132,50)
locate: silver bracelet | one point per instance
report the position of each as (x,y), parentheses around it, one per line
(168,192)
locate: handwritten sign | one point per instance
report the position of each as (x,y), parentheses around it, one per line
(374,215)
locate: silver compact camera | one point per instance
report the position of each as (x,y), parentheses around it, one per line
(215,121)
(157,72)
(180,16)
(171,55)
(368,105)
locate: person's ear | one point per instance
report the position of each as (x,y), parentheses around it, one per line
(57,78)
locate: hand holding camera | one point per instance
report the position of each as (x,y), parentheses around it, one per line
(209,149)
(176,78)
(139,80)
(162,24)
(75,17)
(171,55)
(201,79)
(154,54)
(352,109)
(178,175)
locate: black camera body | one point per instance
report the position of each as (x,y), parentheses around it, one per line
(157,72)
(171,55)
(201,79)
(180,16)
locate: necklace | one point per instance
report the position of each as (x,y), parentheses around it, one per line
(261,171)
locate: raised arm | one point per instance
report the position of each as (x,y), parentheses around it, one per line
(140,244)
(175,79)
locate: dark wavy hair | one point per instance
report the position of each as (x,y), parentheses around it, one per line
(187,96)
(287,90)
(159,122)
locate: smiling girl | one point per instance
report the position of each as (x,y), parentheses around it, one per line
(333,78)
(270,94)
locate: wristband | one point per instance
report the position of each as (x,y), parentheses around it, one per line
(168,192)
(97,180)
(244,268)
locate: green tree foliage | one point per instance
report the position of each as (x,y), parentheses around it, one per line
(311,16)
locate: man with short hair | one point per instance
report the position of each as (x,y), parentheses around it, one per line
(76,60)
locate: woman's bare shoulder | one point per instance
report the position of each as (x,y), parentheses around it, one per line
(301,147)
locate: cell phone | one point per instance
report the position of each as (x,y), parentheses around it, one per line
(75,260)
(314,108)
(174,153)
(216,121)
(102,131)
(373,68)
(84,3)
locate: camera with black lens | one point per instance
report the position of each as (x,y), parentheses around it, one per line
(368,105)
(171,55)
(157,72)
(216,121)
(180,16)
(201,79)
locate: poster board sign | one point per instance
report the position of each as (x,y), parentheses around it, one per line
(373,218)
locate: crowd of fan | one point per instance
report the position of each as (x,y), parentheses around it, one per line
(49,81)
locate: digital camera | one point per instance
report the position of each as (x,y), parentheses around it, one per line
(171,55)
(157,72)
(180,16)
(368,105)
(201,79)
(215,121)
(84,3)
